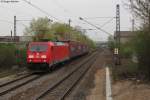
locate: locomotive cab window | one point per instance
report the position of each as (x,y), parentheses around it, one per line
(38,47)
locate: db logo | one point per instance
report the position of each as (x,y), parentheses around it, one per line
(37,55)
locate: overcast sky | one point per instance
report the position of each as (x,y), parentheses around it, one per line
(63,10)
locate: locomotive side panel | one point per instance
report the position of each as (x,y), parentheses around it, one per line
(60,52)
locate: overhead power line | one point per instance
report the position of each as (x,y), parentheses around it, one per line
(107,22)
(95,26)
(22,24)
(98,17)
(60,6)
(41,10)
(6,21)
(9,1)
(16,11)
(70,13)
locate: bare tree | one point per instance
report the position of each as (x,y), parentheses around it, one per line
(141,9)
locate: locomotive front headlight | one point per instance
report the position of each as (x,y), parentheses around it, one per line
(30,56)
(43,56)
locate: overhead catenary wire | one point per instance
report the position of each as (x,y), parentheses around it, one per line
(99,28)
(93,18)
(45,12)
(10,22)
(104,24)
(15,11)
(41,10)
(107,22)
(9,1)
(66,11)
(22,24)
(95,26)
(6,21)
(61,7)
(95,32)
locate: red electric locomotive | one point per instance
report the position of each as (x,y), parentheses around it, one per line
(44,55)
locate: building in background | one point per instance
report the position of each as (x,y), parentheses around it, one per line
(17,38)
(25,38)
(125,36)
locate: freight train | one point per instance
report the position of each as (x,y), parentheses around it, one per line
(45,55)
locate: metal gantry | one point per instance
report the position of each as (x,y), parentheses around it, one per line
(118,25)
(117,36)
(15,30)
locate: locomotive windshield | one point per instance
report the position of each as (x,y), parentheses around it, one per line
(38,47)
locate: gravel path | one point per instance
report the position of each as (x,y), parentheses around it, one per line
(92,87)
(129,90)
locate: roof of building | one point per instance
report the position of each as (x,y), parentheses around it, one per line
(126,34)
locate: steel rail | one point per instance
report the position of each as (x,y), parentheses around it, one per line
(14,80)
(18,85)
(49,89)
(77,81)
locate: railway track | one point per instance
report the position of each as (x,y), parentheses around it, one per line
(14,80)
(14,85)
(62,88)
(17,83)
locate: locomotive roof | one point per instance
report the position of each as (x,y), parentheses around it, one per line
(63,42)
(50,42)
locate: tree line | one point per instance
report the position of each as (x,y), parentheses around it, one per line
(42,28)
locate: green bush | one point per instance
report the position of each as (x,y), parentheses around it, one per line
(12,54)
(22,56)
(7,55)
(126,50)
(111,43)
(142,49)
(127,69)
